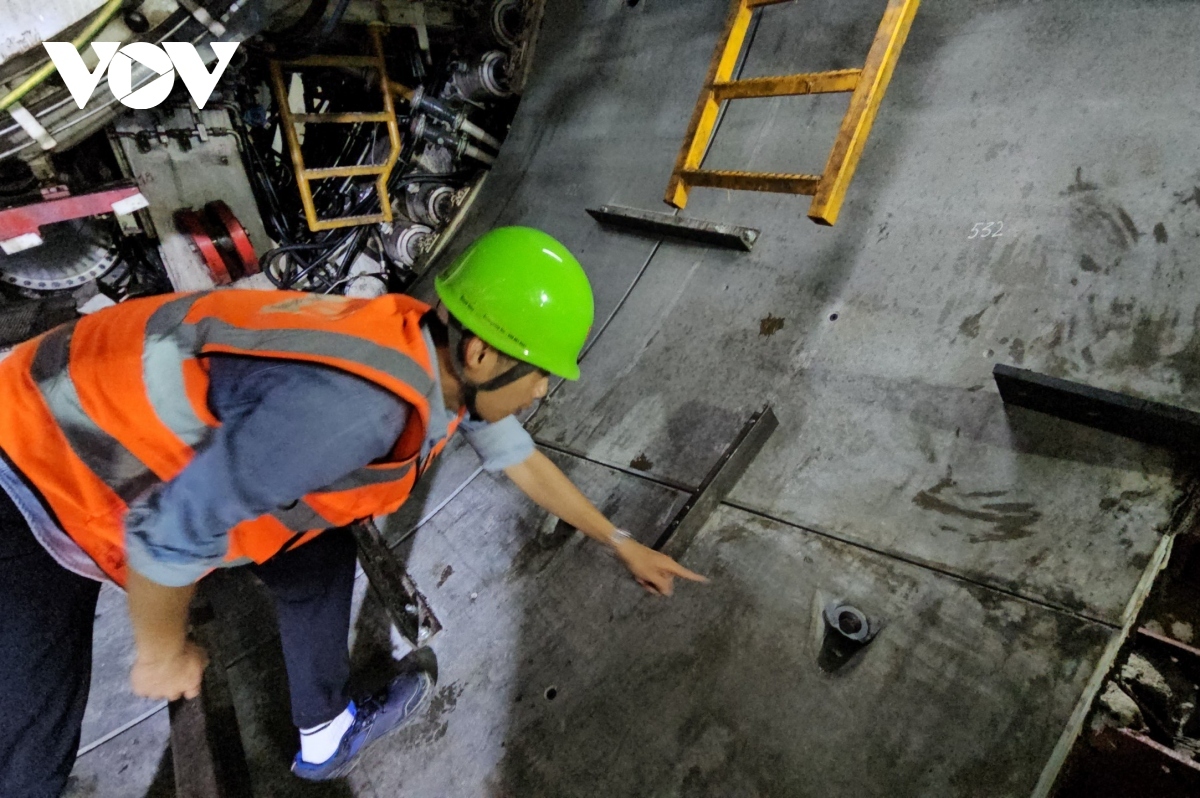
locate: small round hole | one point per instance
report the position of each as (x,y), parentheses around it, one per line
(849,623)
(551,693)
(833,317)
(631,3)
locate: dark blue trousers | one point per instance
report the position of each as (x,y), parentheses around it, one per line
(46,615)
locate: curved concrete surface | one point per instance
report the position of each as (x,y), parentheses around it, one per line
(1000,548)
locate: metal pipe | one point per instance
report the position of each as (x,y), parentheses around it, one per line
(455,120)
(471,151)
(84,38)
(479,134)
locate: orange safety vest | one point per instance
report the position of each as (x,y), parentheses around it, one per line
(96,412)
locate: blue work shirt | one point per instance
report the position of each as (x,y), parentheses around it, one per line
(287,428)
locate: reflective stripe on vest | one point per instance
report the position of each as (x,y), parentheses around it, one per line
(96,412)
(107,457)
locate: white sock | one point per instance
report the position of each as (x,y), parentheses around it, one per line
(318,743)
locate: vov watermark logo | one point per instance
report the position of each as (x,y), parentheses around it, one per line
(164,60)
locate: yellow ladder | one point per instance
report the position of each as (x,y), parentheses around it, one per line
(868,85)
(289,120)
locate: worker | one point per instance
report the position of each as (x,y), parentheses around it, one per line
(155,441)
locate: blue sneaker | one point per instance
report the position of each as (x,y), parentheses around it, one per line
(384,712)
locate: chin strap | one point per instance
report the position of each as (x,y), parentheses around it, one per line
(471,390)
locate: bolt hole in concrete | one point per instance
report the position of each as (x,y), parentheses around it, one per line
(551,693)
(849,623)
(631,3)
(833,317)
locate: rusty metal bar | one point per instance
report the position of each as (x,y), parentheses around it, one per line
(206,744)
(332,61)
(717,484)
(1155,423)
(1178,647)
(664,224)
(864,105)
(324,173)
(788,85)
(347,221)
(405,605)
(340,119)
(753,181)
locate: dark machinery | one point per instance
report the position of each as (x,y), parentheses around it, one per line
(112,202)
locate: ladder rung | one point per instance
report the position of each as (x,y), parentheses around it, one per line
(334,61)
(752,181)
(344,171)
(788,85)
(348,221)
(342,119)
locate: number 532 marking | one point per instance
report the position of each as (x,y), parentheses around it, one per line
(984,230)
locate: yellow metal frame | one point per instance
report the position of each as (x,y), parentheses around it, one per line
(305,175)
(868,85)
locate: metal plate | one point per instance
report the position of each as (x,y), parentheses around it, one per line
(73,253)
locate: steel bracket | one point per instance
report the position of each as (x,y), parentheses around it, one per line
(664,224)
(1142,420)
(405,605)
(717,484)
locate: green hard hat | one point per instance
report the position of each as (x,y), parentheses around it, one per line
(523,293)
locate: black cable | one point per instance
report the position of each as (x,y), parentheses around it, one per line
(302,26)
(338,12)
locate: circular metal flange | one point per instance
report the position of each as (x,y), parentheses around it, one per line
(192,224)
(405,242)
(848,621)
(72,253)
(487,80)
(431,203)
(506,21)
(239,239)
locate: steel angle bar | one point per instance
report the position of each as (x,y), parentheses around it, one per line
(405,605)
(664,224)
(1142,420)
(717,484)
(206,744)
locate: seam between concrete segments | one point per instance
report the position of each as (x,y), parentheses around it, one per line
(882,552)
(642,475)
(917,562)
(124,727)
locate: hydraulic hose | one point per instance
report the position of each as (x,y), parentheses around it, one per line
(102,18)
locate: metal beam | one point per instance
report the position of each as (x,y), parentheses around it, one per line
(664,224)
(408,609)
(717,484)
(206,744)
(1140,419)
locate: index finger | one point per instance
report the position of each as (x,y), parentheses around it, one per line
(679,570)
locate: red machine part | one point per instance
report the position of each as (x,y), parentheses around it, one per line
(191,224)
(239,239)
(221,240)
(19,226)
